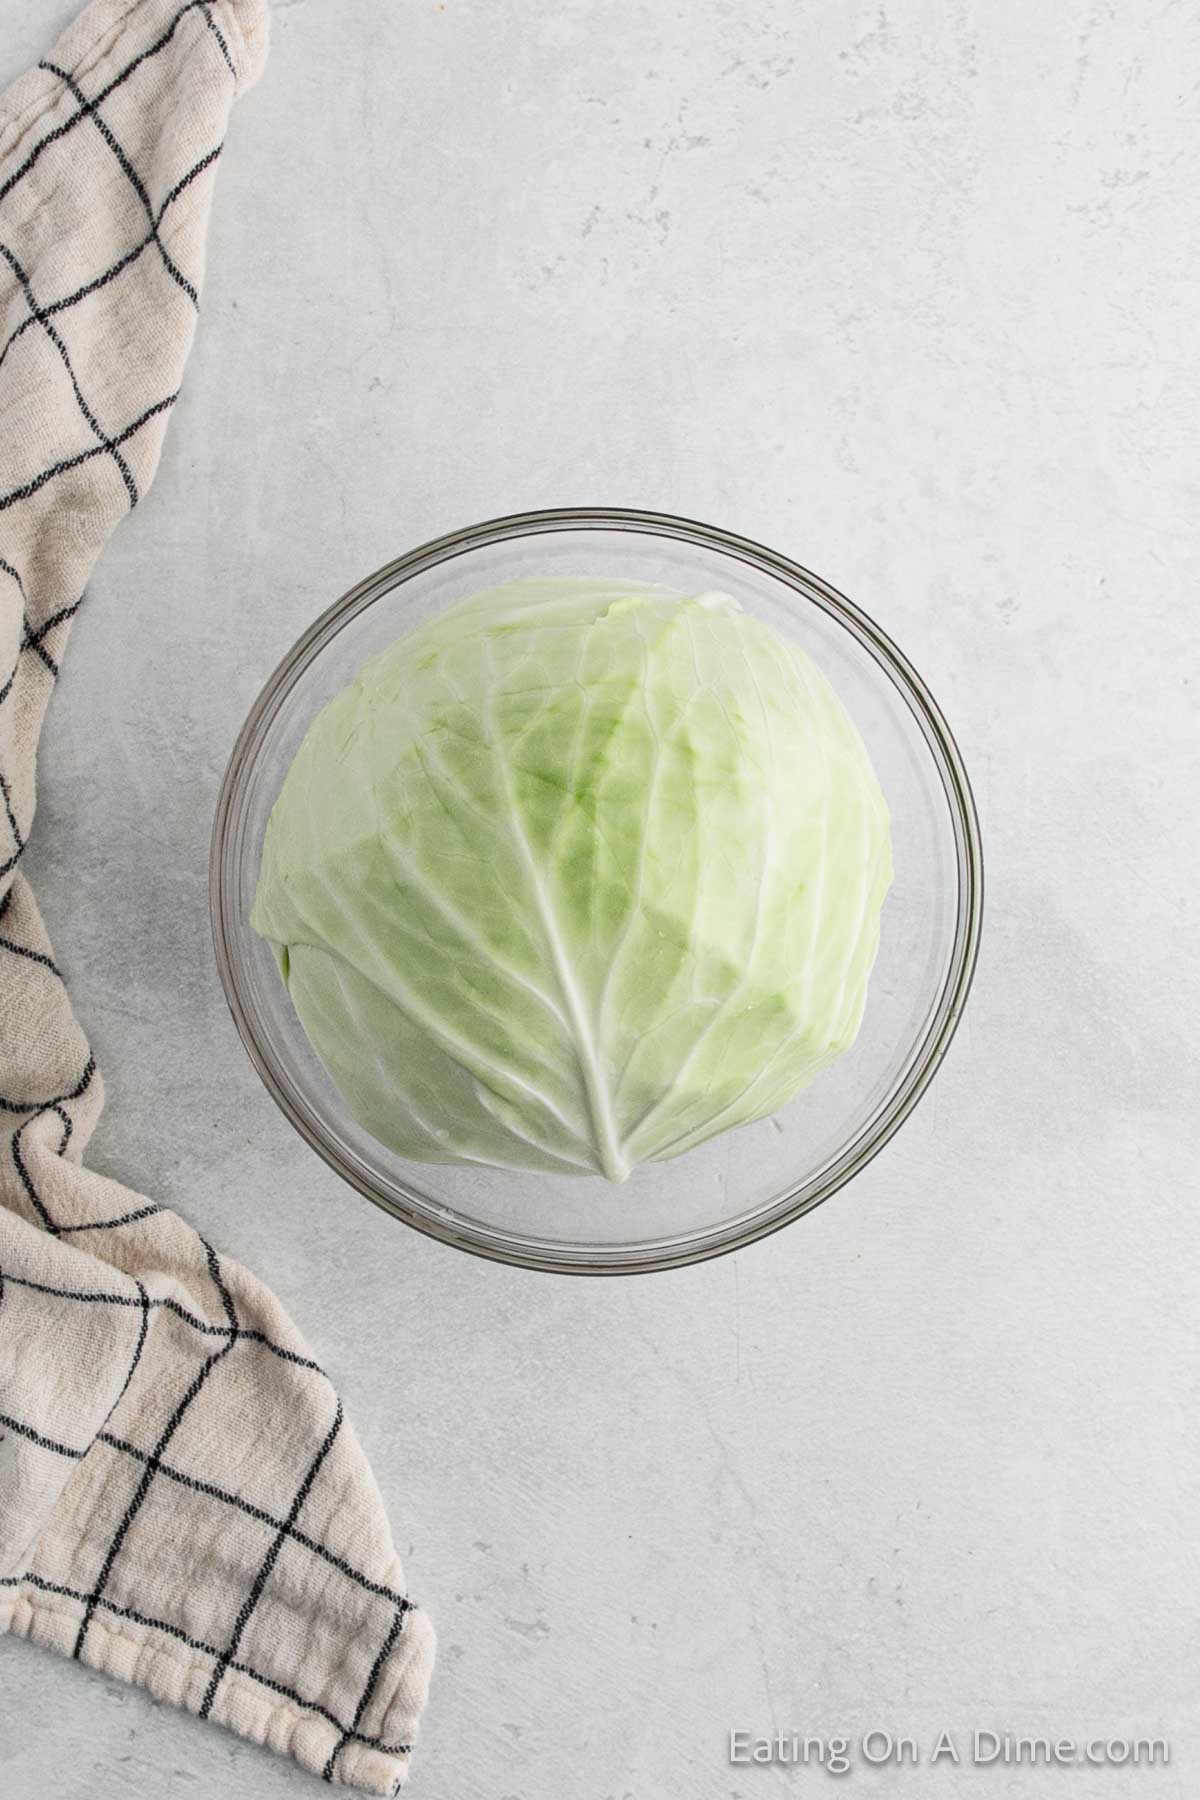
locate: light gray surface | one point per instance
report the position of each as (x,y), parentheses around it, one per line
(911,294)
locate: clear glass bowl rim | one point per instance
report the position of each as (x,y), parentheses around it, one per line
(921,1065)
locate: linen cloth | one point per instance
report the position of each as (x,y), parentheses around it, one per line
(182,1503)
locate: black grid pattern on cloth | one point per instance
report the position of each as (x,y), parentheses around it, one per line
(147,1304)
(32,640)
(153,1463)
(45,313)
(349,1734)
(130,68)
(67,463)
(42,318)
(36,1110)
(395,1626)
(156,1459)
(204,1326)
(91,108)
(151,1466)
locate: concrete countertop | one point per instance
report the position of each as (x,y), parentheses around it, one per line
(909,292)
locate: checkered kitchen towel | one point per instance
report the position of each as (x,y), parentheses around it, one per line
(181,1501)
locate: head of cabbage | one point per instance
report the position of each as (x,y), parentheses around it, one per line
(576,876)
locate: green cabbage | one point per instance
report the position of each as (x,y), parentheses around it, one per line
(576,876)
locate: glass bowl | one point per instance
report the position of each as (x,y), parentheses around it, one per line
(746,1182)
